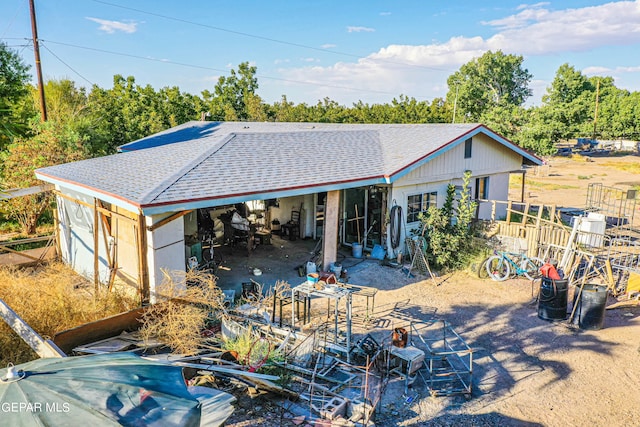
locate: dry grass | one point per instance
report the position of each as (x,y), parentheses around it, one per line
(51,300)
(179,320)
(631,167)
(549,186)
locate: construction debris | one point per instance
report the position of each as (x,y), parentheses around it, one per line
(326,358)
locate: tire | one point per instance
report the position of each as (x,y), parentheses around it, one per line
(498,268)
(481,271)
(531,267)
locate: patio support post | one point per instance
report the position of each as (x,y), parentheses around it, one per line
(330,238)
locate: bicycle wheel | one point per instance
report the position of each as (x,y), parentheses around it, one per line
(531,268)
(498,268)
(481,271)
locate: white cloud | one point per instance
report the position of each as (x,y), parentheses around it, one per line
(628,69)
(592,71)
(541,31)
(421,70)
(327,46)
(385,13)
(309,59)
(351,29)
(281,61)
(533,6)
(113,26)
(600,70)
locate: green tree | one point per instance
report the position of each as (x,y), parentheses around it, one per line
(494,79)
(128,112)
(567,105)
(52,144)
(14,77)
(233,95)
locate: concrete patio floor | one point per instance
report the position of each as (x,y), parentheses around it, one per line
(279,260)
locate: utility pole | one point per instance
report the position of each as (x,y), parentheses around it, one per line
(595,115)
(36,51)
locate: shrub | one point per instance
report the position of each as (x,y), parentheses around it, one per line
(447,230)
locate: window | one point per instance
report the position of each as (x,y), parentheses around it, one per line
(482,188)
(419,203)
(467,148)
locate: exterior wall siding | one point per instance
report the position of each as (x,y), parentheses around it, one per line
(488,159)
(165,251)
(76,236)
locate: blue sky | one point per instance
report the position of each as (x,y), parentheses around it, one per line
(310,49)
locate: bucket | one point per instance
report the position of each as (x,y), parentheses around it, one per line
(312,277)
(590,307)
(552,299)
(336,268)
(356,249)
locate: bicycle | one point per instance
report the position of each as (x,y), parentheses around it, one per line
(501,264)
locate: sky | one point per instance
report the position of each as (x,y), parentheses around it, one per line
(347,50)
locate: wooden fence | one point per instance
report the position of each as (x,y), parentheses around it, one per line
(531,226)
(11,256)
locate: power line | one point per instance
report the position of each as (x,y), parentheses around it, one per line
(15,15)
(164,61)
(67,65)
(270,39)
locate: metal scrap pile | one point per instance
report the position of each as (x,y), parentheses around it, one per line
(323,359)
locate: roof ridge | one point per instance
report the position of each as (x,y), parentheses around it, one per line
(162,186)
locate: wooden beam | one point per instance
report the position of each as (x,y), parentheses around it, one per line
(131,217)
(104,225)
(99,330)
(96,247)
(143,266)
(540,209)
(20,192)
(44,348)
(21,253)
(168,220)
(56,222)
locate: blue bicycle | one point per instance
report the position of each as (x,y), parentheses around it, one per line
(503,264)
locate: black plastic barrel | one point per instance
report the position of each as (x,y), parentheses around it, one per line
(590,307)
(552,299)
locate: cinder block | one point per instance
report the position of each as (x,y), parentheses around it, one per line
(333,408)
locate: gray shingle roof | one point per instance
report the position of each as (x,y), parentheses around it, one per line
(200,161)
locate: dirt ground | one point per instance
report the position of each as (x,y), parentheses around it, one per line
(563,181)
(526,371)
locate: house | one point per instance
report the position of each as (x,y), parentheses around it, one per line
(136,212)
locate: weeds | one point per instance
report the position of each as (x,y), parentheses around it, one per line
(188,307)
(51,300)
(258,354)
